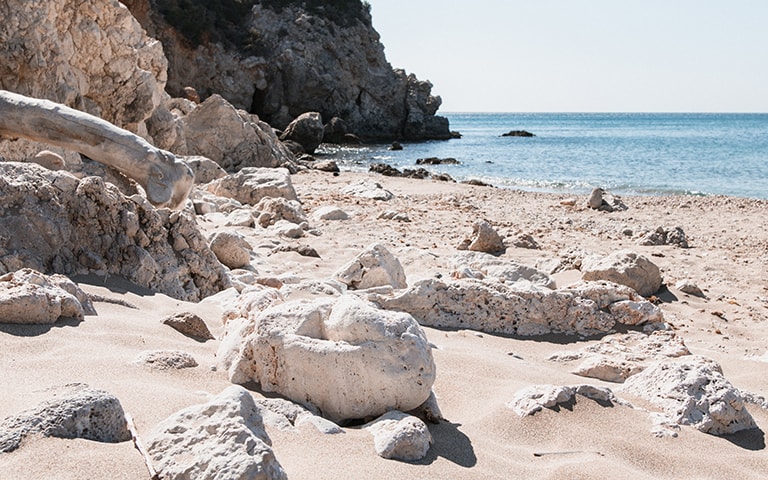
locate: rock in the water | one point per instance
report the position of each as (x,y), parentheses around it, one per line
(536,397)
(250,185)
(307,130)
(437,161)
(223,438)
(189,324)
(30,297)
(78,411)
(484,238)
(232,249)
(399,436)
(371,190)
(65,225)
(342,357)
(373,267)
(626,268)
(518,133)
(692,390)
(166,359)
(515,310)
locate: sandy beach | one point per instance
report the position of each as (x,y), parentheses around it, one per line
(477,373)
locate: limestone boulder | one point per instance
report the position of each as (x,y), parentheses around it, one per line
(232,249)
(691,390)
(329,213)
(496,308)
(230,137)
(626,268)
(30,297)
(92,56)
(484,238)
(399,436)
(369,190)
(250,185)
(307,130)
(223,438)
(77,411)
(373,267)
(73,226)
(486,266)
(274,209)
(341,356)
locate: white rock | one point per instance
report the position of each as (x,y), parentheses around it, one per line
(223,438)
(626,268)
(374,267)
(240,218)
(274,209)
(371,190)
(506,271)
(484,238)
(77,411)
(30,297)
(692,390)
(250,185)
(287,229)
(400,436)
(329,212)
(496,308)
(342,356)
(687,286)
(532,399)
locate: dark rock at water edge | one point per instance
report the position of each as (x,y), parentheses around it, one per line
(437,161)
(518,133)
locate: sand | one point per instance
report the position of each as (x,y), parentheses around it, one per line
(477,374)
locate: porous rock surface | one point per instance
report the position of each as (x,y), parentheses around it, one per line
(484,238)
(485,266)
(250,185)
(691,390)
(530,400)
(525,310)
(340,356)
(166,359)
(92,56)
(399,436)
(223,438)
(231,248)
(77,411)
(30,297)
(70,226)
(626,268)
(373,267)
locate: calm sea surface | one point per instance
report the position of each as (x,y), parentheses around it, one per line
(625,153)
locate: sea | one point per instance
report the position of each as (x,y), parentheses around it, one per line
(624,153)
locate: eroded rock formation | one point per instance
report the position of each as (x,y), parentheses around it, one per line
(282,59)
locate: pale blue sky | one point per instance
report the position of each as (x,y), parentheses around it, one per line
(583,55)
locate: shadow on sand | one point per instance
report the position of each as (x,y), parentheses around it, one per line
(752,439)
(451,444)
(34,330)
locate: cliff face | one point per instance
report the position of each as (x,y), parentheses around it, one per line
(281,58)
(93,56)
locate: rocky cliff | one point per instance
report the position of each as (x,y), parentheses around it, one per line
(281,58)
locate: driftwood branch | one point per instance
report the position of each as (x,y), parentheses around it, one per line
(166,180)
(140,447)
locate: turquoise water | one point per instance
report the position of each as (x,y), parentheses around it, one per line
(625,153)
